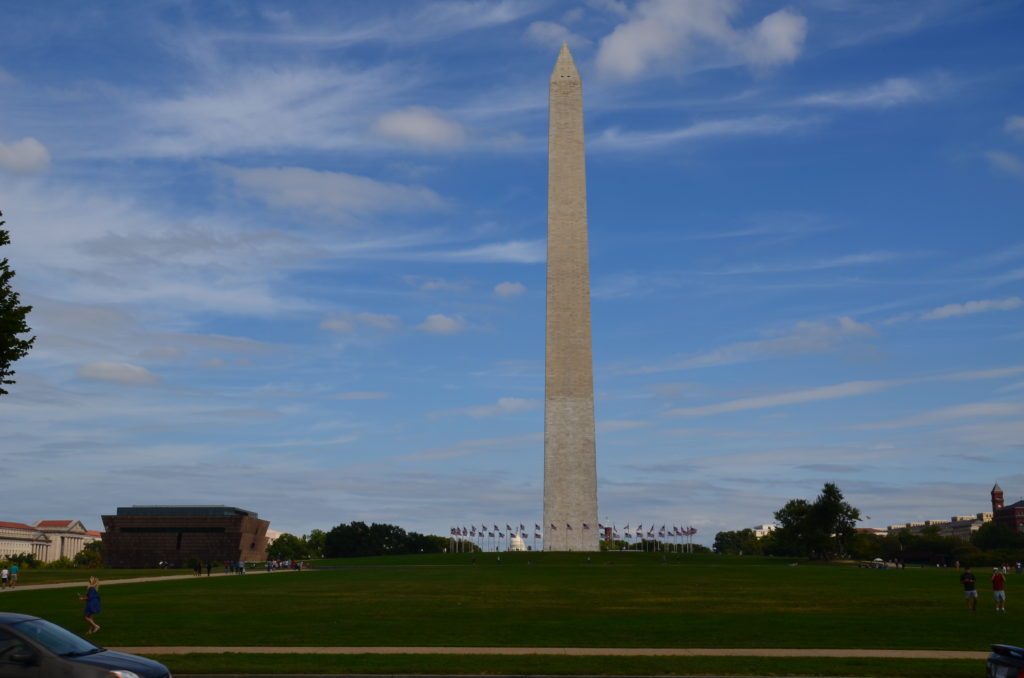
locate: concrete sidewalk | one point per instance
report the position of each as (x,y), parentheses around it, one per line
(570,651)
(135,580)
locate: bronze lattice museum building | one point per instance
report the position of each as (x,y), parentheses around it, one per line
(145,536)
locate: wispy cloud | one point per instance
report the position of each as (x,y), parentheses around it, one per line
(551,34)
(1005,162)
(947,414)
(509,289)
(886,94)
(360,395)
(471,447)
(804,337)
(616,140)
(862,259)
(502,407)
(331,192)
(1014,126)
(972,307)
(345,323)
(844,390)
(118,373)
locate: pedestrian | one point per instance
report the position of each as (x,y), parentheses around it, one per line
(1019,566)
(16,570)
(4,575)
(92,604)
(209,566)
(999,589)
(970,592)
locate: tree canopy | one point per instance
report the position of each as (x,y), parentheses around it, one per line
(820,530)
(12,319)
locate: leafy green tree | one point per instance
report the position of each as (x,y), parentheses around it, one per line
(359,539)
(819,530)
(316,540)
(12,319)
(288,547)
(993,536)
(91,556)
(738,542)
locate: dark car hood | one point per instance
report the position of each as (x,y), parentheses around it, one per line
(109,659)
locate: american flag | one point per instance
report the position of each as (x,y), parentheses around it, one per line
(496,528)
(553,526)
(536,527)
(491,535)
(568,526)
(501,535)
(585,526)
(536,536)
(508,528)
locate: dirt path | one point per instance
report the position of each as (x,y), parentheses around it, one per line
(570,651)
(133,580)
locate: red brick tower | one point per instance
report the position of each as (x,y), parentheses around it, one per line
(997,497)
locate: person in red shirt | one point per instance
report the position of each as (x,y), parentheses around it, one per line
(999,589)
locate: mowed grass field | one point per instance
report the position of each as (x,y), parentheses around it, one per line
(551,600)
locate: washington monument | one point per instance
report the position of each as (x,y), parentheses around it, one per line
(570,458)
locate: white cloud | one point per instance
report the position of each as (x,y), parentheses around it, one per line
(118,373)
(615,139)
(509,289)
(345,323)
(612,425)
(804,337)
(250,109)
(550,34)
(845,390)
(1006,163)
(327,192)
(442,324)
(945,414)
(865,258)
(668,34)
(440,284)
(515,251)
(420,127)
(503,406)
(971,307)
(27,156)
(360,395)
(1014,126)
(888,93)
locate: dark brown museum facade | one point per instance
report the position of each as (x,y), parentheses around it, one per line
(145,536)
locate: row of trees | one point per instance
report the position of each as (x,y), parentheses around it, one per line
(355,539)
(89,557)
(825,529)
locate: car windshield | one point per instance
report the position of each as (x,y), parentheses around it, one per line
(56,639)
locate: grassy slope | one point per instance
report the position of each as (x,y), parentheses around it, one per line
(616,600)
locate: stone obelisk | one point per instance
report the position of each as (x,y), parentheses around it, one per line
(570,459)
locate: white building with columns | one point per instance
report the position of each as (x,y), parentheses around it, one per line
(47,540)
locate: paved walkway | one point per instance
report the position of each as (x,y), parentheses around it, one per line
(133,580)
(570,651)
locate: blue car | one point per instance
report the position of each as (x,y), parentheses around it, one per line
(1006,661)
(31,647)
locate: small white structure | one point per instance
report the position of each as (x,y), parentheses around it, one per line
(516,543)
(762,530)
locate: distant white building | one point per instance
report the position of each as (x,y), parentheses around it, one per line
(961,527)
(47,540)
(516,543)
(763,530)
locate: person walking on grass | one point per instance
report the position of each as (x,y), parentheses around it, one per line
(92,604)
(970,592)
(999,589)
(4,574)
(15,569)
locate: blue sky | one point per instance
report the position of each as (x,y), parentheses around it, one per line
(290,257)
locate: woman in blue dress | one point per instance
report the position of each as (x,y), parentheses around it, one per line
(92,604)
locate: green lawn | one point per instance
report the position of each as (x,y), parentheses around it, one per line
(557,600)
